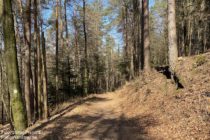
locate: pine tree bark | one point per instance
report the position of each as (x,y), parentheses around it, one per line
(1,11)
(27,64)
(56,51)
(38,96)
(147,66)
(66,21)
(4,95)
(126,44)
(139,37)
(67,39)
(36,115)
(1,85)
(76,49)
(2,113)
(19,42)
(172,36)
(45,92)
(85,75)
(142,36)
(61,38)
(18,110)
(127,58)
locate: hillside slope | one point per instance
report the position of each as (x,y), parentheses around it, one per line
(168,113)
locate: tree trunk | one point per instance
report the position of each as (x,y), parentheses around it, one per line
(142,36)
(2,113)
(45,92)
(1,11)
(1,89)
(5,97)
(66,21)
(85,77)
(39,65)
(172,37)
(18,110)
(19,42)
(146,38)
(77,49)
(27,64)
(126,44)
(56,53)
(62,48)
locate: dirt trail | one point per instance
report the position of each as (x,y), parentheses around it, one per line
(98,117)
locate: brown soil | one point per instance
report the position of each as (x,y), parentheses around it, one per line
(96,117)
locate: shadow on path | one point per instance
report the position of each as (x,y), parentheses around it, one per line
(98,128)
(96,124)
(69,108)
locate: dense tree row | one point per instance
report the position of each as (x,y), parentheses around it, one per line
(193,26)
(133,23)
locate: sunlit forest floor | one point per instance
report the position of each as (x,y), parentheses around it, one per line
(149,107)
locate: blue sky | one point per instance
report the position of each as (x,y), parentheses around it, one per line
(151,2)
(117,36)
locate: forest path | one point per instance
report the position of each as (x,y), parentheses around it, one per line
(98,117)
